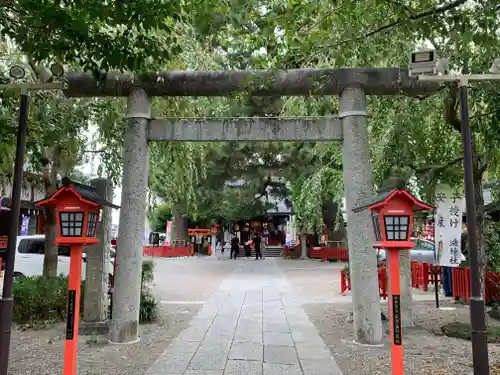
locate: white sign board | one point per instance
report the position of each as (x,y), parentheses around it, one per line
(448,226)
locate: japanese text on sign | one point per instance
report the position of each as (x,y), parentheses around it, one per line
(448,227)
(70,323)
(396,327)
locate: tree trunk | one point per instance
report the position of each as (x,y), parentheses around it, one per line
(330,212)
(303,246)
(50,258)
(50,172)
(179,231)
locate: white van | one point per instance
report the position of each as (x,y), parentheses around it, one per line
(30,252)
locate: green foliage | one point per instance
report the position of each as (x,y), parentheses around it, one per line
(492,246)
(159,217)
(110,35)
(463,331)
(40,300)
(148,312)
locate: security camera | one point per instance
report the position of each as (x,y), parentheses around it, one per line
(495,67)
(422,62)
(44,74)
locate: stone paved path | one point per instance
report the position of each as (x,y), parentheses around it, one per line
(254,325)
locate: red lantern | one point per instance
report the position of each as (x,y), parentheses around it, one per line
(215,228)
(392,218)
(77,207)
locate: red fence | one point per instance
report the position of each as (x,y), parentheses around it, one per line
(327,253)
(339,253)
(323,253)
(167,251)
(422,274)
(461,285)
(345,282)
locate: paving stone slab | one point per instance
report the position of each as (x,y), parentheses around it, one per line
(249,325)
(308,351)
(278,369)
(248,330)
(248,337)
(276,327)
(170,364)
(203,372)
(251,351)
(235,367)
(276,317)
(320,367)
(307,336)
(209,358)
(181,346)
(223,342)
(278,338)
(221,329)
(192,335)
(285,355)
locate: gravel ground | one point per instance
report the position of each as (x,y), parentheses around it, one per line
(41,352)
(180,285)
(426,350)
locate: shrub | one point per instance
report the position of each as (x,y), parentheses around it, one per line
(40,300)
(148,312)
(333,260)
(463,331)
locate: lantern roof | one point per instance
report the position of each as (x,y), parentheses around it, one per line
(384,197)
(85,193)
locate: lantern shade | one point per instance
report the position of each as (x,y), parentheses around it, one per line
(397,228)
(71,223)
(77,207)
(376,226)
(392,218)
(91,224)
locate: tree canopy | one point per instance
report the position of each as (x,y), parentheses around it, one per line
(417,139)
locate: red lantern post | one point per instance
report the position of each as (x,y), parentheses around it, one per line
(77,207)
(392,217)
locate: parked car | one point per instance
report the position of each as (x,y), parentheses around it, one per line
(30,252)
(424,251)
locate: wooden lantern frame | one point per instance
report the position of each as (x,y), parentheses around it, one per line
(392,218)
(67,201)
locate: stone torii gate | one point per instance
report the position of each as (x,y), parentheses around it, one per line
(352,85)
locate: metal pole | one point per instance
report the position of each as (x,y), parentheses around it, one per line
(477,308)
(6,302)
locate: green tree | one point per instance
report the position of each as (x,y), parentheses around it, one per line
(159,217)
(110,35)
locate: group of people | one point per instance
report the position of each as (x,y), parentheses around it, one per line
(256,242)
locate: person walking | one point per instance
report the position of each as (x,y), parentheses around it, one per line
(235,246)
(247,246)
(257,242)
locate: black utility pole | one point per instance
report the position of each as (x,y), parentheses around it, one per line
(6,302)
(477,307)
